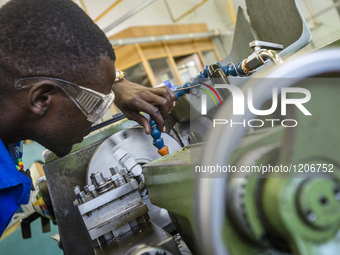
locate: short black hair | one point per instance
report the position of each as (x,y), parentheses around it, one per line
(53,38)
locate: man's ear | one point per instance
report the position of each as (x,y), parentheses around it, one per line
(40,96)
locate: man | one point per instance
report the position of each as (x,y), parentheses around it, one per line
(57,75)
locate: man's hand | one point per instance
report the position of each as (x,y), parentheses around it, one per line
(132,99)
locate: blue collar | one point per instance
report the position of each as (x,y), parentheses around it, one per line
(15,150)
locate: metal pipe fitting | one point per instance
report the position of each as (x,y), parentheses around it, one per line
(272,55)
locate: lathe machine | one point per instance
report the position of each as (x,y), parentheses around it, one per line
(254,176)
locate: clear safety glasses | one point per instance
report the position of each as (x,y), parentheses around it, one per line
(92,103)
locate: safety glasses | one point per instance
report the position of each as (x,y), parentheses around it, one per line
(92,103)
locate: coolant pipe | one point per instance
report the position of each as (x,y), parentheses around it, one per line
(209,70)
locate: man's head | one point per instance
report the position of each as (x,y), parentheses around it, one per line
(49,38)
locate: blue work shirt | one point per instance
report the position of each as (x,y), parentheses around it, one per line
(15,187)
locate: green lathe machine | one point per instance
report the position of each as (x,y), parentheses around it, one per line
(239,184)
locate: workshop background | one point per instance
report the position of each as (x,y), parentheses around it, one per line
(172,25)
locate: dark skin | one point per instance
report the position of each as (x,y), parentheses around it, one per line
(45,114)
(135,98)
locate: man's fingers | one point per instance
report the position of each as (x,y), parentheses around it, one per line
(156,115)
(147,105)
(133,98)
(156,106)
(141,120)
(165,92)
(164,108)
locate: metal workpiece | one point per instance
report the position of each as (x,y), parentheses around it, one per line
(128,149)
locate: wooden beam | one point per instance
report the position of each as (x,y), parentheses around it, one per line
(142,31)
(146,65)
(172,64)
(199,53)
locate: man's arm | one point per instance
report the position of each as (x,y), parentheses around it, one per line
(132,99)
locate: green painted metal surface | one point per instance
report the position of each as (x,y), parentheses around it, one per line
(294,213)
(62,175)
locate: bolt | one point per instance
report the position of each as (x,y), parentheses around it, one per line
(114,179)
(93,191)
(121,180)
(81,197)
(114,170)
(126,178)
(97,179)
(86,189)
(123,171)
(118,180)
(125,175)
(76,190)
(91,188)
